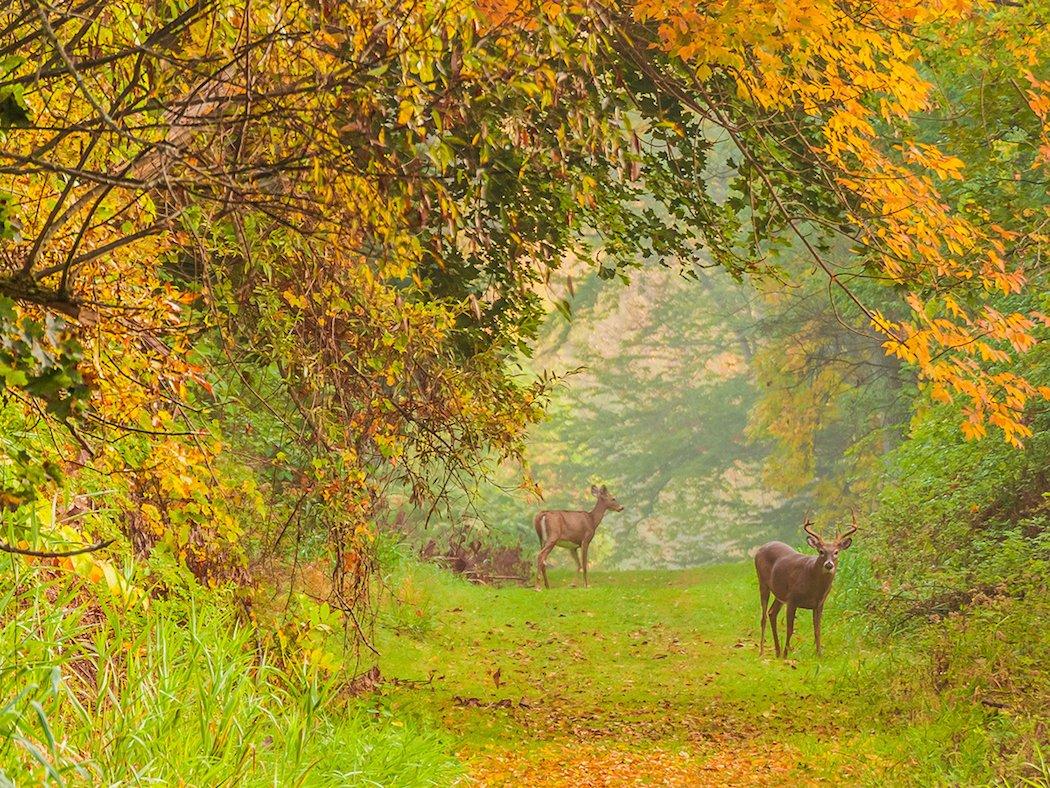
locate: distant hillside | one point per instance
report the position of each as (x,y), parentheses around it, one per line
(658,413)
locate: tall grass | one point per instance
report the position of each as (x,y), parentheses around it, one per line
(177,692)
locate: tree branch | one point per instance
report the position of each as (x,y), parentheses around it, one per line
(6,548)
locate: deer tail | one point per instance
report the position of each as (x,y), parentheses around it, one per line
(541,527)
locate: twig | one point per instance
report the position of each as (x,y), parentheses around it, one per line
(49,554)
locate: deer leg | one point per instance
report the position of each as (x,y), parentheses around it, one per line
(579,567)
(586,584)
(764,592)
(541,564)
(547,550)
(773,610)
(790,627)
(817,611)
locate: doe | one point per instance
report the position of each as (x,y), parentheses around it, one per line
(571,530)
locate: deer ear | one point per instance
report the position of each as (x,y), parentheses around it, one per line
(845,543)
(604,489)
(594,490)
(813,542)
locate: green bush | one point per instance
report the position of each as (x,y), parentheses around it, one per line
(955,567)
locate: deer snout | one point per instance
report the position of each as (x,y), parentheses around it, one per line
(829,566)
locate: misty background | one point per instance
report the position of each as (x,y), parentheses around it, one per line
(656,401)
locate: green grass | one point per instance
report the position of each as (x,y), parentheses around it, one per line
(645,676)
(667,662)
(93,693)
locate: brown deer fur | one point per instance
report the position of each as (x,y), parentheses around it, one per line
(797,581)
(571,530)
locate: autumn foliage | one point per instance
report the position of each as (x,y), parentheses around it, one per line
(270,272)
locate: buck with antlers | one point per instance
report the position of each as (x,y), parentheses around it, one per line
(571,530)
(797,580)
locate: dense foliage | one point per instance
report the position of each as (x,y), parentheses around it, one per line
(339,215)
(271,274)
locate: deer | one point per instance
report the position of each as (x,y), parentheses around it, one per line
(797,580)
(571,530)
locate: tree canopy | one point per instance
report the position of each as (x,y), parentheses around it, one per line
(340,218)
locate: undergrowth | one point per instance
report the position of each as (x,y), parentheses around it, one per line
(94,691)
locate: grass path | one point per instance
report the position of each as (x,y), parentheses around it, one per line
(655,678)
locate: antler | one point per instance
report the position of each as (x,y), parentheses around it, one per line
(807,526)
(853,528)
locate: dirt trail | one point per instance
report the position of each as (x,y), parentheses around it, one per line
(600,765)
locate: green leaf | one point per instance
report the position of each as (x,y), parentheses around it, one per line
(14,112)
(39,757)
(41,716)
